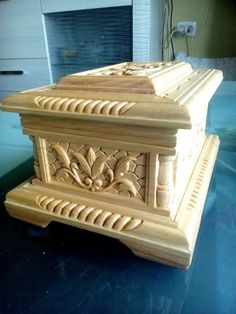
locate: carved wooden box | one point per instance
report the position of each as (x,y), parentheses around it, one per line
(121,151)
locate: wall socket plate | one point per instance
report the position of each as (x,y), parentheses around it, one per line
(186,29)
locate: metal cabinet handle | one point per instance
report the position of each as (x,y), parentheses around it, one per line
(12,72)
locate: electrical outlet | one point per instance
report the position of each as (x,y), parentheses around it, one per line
(186,29)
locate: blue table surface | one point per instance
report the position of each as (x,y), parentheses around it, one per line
(62,269)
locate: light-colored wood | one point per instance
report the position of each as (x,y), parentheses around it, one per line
(121,151)
(164,181)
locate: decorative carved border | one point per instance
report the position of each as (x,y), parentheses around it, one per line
(191,207)
(97,169)
(91,215)
(199,185)
(84,106)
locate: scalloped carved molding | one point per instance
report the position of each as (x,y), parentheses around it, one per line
(199,184)
(90,215)
(84,106)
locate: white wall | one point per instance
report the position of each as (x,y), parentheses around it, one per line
(147,21)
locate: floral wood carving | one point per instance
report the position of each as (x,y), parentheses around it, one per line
(129,69)
(94,167)
(98,169)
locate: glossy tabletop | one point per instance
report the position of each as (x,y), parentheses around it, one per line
(63,270)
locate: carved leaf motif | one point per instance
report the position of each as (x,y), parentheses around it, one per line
(74,168)
(91,157)
(110,174)
(98,166)
(122,166)
(128,184)
(83,163)
(116,176)
(70,152)
(65,146)
(63,157)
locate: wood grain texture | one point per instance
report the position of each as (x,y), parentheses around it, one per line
(129,158)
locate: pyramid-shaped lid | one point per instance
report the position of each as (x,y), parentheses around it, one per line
(129,77)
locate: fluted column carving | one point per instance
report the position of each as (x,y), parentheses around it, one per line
(164,181)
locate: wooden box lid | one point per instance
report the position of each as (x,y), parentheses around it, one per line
(129,77)
(156,94)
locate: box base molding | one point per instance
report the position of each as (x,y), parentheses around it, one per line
(165,241)
(160,255)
